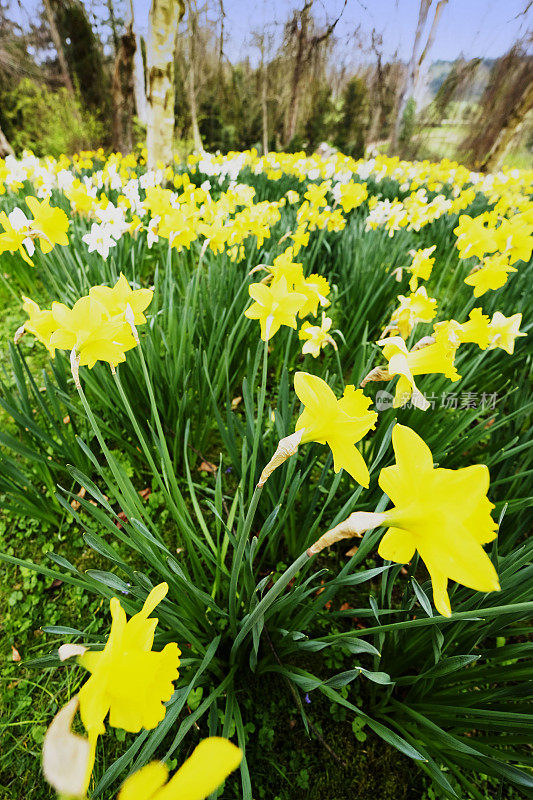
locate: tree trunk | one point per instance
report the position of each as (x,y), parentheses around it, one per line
(377,101)
(406,90)
(113,25)
(264,105)
(191,81)
(123,93)
(139,84)
(5,147)
(165,16)
(297,76)
(431,37)
(197,139)
(58,44)
(494,157)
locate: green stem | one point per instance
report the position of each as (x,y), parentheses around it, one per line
(259,420)
(476,614)
(237,561)
(261,608)
(10,288)
(108,455)
(339,365)
(178,503)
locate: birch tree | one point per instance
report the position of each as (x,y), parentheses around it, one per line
(139,83)
(164,19)
(415,62)
(192,88)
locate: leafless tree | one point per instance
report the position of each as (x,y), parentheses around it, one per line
(503,108)
(192,88)
(415,63)
(58,44)
(301,37)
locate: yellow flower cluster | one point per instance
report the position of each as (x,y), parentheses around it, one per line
(498,243)
(99,326)
(290,294)
(49,225)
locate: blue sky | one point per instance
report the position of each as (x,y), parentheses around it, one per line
(467,27)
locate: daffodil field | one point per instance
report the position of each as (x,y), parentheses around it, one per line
(320,366)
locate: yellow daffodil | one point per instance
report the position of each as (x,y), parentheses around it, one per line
(435,357)
(514,238)
(15,239)
(316,194)
(448,333)
(300,238)
(476,329)
(350,195)
(474,238)
(316,337)
(421,266)
(129,681)
(80,198)
(442,513)
(492,274)
(284,266)
(337,423)
(503,331)
(274,306)
(115,299)
(209,765)
(99,327)
(158,200)
(417,307)
(87,329)
(51,222)
(315,288)
(41,323)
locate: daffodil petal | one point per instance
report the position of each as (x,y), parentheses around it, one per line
(347,456)
(397,545)
(144,783)
(411,452)
(209,765)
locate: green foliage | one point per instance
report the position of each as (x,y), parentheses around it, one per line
(353,122)
(316,126)
(408,126)
(84,56)
(47,122)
